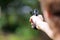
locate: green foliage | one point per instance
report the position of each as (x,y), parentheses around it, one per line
(2,21)
(13,15)
(32,3)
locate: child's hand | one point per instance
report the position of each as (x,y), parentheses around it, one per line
(41,25)
(35,20)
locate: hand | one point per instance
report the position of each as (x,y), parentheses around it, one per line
(41,25)
(35,19)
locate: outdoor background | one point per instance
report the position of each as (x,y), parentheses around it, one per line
(14,20)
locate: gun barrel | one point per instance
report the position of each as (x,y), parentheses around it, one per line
(35,12)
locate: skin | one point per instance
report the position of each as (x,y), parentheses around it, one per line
(51,25)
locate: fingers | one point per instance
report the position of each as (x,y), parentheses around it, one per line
(32,19)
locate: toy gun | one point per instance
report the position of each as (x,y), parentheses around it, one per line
(36,13)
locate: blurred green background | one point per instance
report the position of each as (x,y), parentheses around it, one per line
(14,20)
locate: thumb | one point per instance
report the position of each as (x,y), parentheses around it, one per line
(40,16)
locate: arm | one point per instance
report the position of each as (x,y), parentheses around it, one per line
(40,25)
